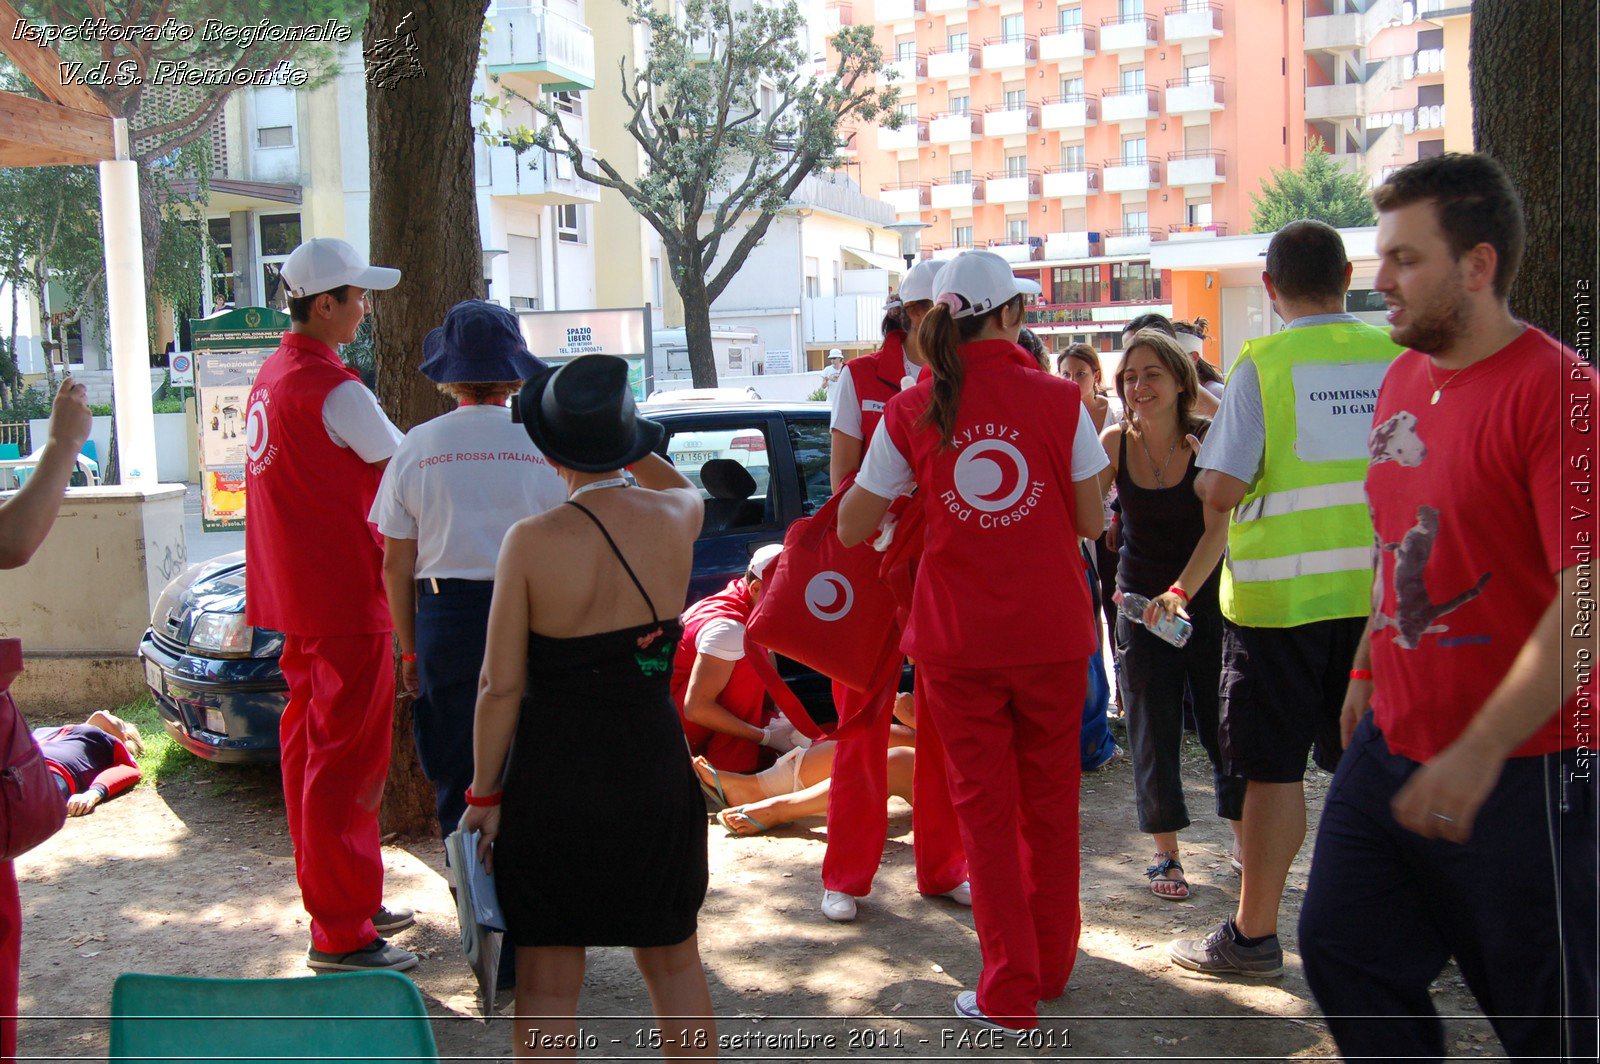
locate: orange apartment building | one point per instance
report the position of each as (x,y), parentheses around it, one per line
(1070,136)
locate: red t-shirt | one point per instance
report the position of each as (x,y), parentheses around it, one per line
(1467,501)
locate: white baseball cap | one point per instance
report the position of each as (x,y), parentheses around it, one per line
(976,282)
(834,352)
(324,264)
(918,281)
(763,558)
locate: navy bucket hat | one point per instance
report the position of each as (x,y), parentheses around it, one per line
(479,343)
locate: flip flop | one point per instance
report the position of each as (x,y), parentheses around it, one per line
(1165,864)
(739,811)
(713,790)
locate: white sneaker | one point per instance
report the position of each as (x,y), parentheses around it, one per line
(961,895)
(838,906)
(967,1009)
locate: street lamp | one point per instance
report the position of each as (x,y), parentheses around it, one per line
(910,234)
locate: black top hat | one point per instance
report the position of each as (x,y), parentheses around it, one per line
(582,416)
(479,342)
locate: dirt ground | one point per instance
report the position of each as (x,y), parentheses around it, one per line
(195,878)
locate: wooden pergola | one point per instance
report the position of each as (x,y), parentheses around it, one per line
(69,127)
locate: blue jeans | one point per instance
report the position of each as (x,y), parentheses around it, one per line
(1385,909)
(452,629)
(1095,744)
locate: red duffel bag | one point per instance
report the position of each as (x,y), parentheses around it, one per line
(824,604)
(32,807)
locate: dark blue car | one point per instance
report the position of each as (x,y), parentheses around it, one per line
(761,465)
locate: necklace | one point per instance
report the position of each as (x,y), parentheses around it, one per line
(1438,388)
(612,482)
(1162,468)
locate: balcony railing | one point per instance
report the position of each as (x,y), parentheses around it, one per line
(1079,244)
(1131,175)
(1067,182)
(537,176)
(1075,42)
(937,7)
(1194,95)
(897,10)
(1069,112)
(1046,314)
(1177,233)
(837,16)
(1013,250)
(1200,166)
(1007,187)
(1008,53)
(1131,241)
(540,46)
(954,128)
(1127,33)
(959,63)
(1138,105)
(942,252)
(912,133)
(950,192)
(1192,22)
(1004,120)
(1425,62)
(1430,116)
(905,197)
(902,71)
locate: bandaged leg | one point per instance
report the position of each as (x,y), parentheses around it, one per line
(784,775)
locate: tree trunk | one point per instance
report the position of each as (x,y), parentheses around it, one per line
(424,222)
(1538,120)
(697,329)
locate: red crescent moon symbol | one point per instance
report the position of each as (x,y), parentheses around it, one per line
(1009,476)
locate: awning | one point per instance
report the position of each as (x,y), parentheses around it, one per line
(877,260)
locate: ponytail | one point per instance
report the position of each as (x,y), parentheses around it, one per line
(937,339)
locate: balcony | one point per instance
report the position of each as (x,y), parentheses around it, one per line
(896,10)
(1193,96)
(956,192)
(537,176)
(1127,33)
(1075,245)
(954,128)
(1192,22)
(1199,167)
(1002,120)
(1350,32)
(957,64)
(1077,42)
(912,133)
(1132,175)
(837,16)
(946,252)
(1139,105)
(1009,53)
(1122,242)
(1070,182)
(941,7)
(1012,252)
(1354,99)
(1069,112)
(848,319)
(911,69)
(1426,62)
(531,48)
(1429,117)
(1007,187)
(906,197)
(1179,233)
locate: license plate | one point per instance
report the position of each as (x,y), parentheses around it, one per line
(153,677)
(695,458)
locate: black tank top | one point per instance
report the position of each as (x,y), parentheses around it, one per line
(1160,528)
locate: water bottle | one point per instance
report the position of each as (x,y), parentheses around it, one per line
(1171,627)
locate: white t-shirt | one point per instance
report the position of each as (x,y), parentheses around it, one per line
(886,473)
(721,638)
(846,414)
(457,483)
(354,419)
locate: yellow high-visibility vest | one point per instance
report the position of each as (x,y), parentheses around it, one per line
(1300,542)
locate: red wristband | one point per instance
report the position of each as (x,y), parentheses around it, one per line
(1180,592)
(488,799)
(408,657)
(1361,674)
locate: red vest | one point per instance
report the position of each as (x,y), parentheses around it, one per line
(745,695)
(315,563)
(877,379)
(1001,582)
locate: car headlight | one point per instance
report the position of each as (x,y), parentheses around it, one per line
(224,633)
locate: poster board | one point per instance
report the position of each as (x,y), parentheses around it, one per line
(229,349)
(559,336)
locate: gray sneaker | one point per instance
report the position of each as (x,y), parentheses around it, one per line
(387,921)
(1219,954)
(374,956)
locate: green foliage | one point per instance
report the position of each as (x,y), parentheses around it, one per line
(27,405)
(820,395)
(1319,190)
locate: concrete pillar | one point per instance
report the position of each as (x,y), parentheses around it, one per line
(128,333)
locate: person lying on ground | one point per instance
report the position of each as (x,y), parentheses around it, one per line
(92,761)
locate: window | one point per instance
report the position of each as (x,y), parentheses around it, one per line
(1198,73)
(1072,88)
(1075,284)
(1197,138)
(569,224)
(1011,27)
(1016,99)
(906,171)
(569,103)
(1133,150)
(909,110)
(1197,212)
(1016,230)
(1135,220)
(963,236)
(744,444)
(275,137)
(1072,157)
(960,105)
(1016,162)
(1430,95)
(957,42)
(1132,79)
(1069,18)
(1130,9)
(1427,149)
(1429,39)
(222,277)
(280,234)
(657,281)
(961,177)
(812,444)
(906,49)
(1134,282)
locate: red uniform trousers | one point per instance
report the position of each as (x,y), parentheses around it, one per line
(10,958)
(335,738)
(1011,739)
(858,813)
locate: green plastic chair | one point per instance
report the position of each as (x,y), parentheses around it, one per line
(354,1016)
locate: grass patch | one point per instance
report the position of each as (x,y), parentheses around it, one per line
(163,760)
